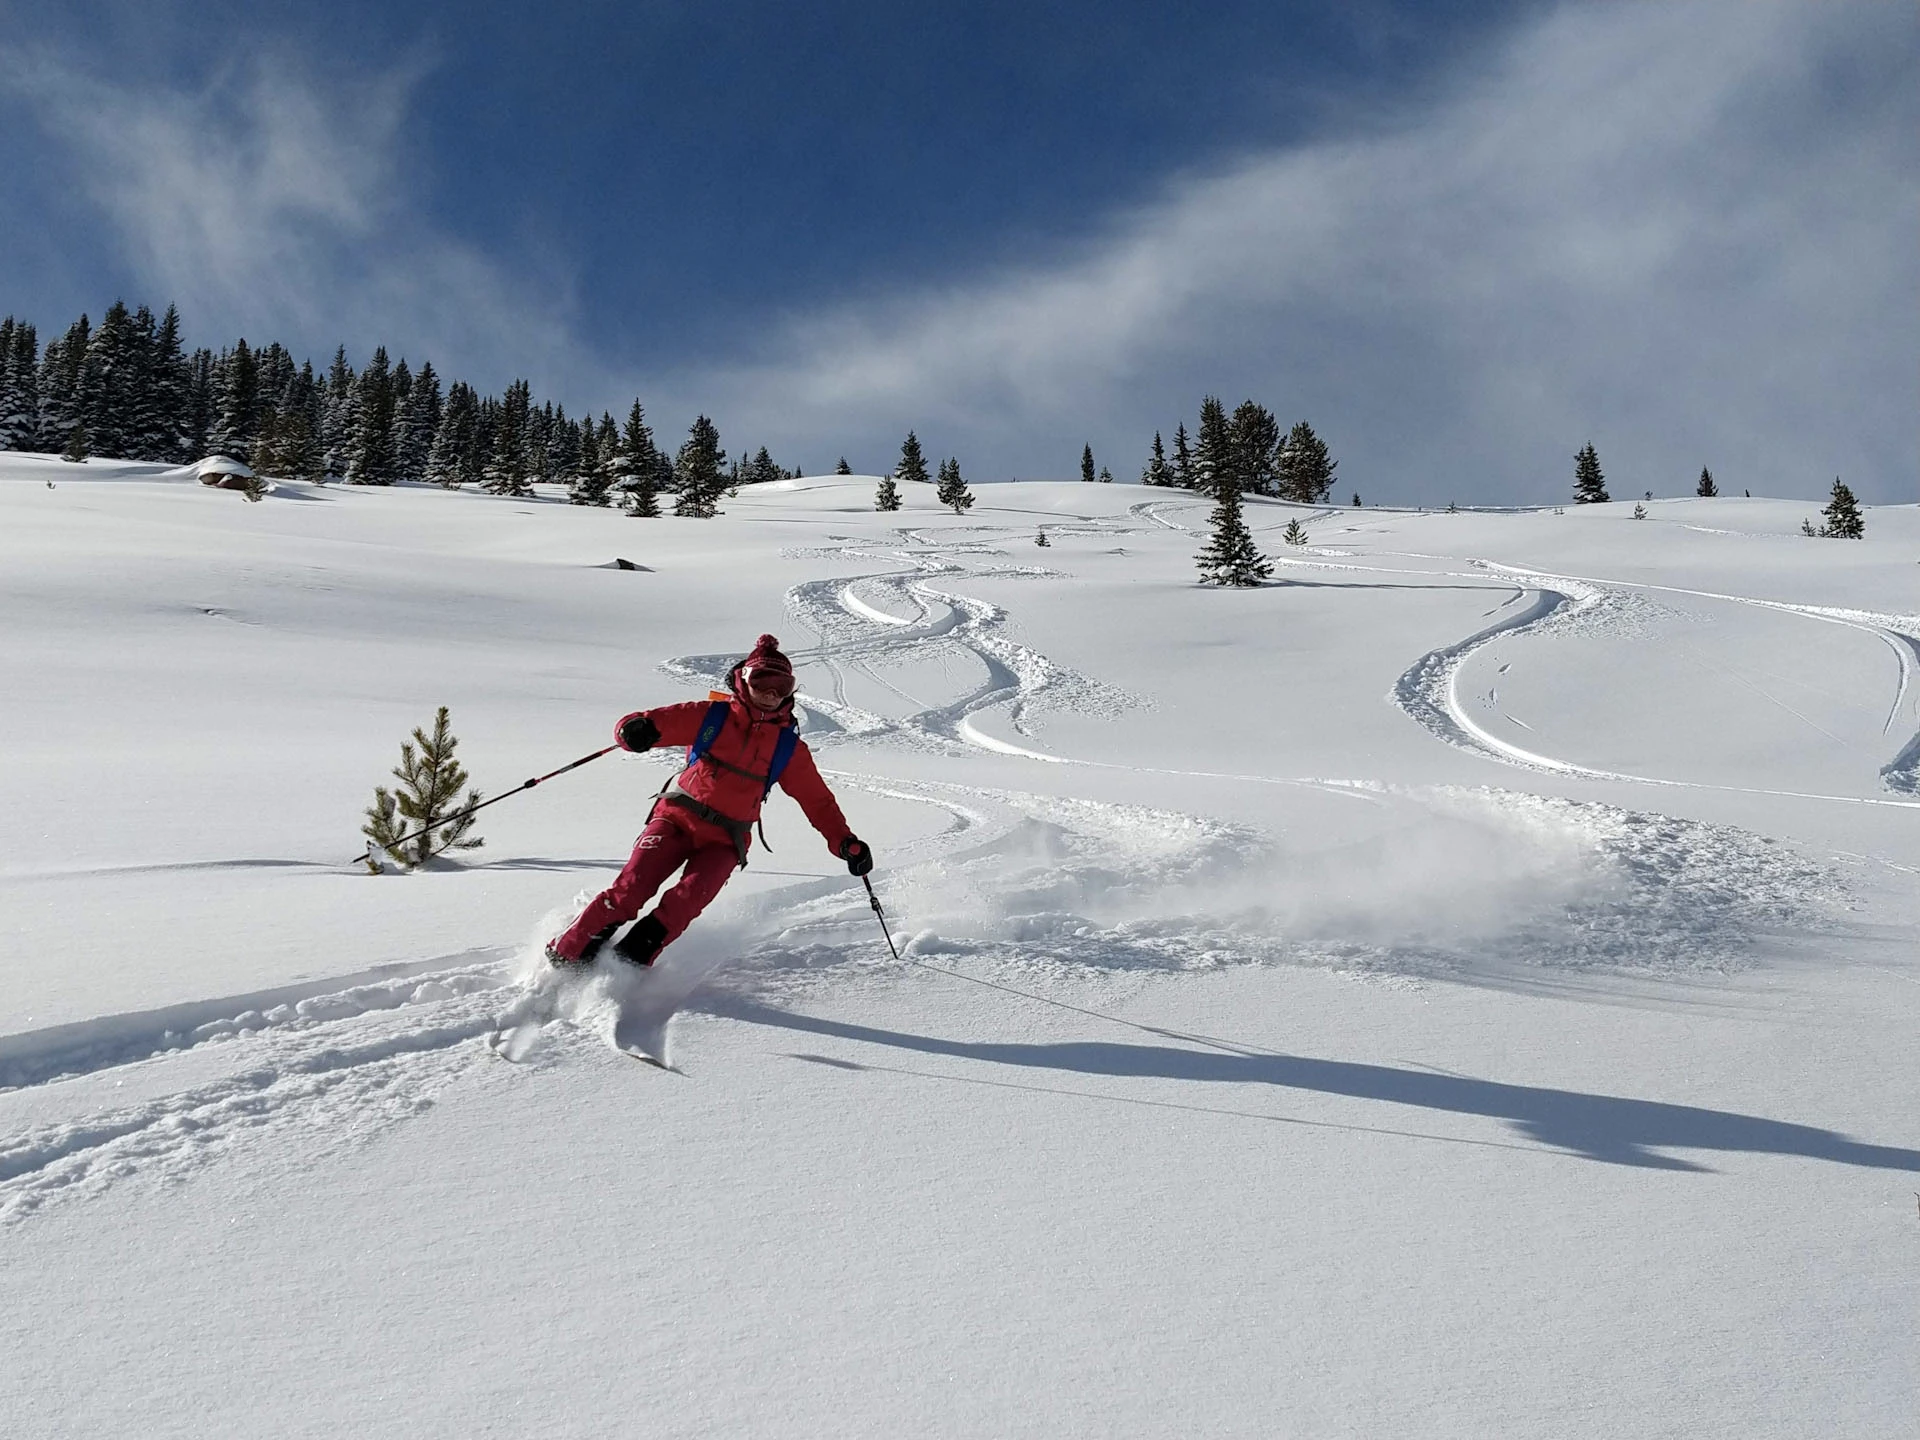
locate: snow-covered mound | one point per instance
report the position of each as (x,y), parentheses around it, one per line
(1460,988)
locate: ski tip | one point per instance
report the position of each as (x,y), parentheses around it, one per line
(654,1060)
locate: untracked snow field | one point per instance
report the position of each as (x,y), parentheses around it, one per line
(1467,987)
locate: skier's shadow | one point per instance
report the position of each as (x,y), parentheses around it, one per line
(1611,1128)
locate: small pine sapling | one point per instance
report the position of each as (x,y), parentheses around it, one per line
(254,488)
(1294,534)
(1706,489)
(1639,511)
(1844,520)
(1356,499)
(843,468)
(422,815)
(953,491)
(887,497)
(1041,540)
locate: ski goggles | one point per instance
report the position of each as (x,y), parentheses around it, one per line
(778,683)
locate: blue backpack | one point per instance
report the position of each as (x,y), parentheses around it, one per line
(710,729)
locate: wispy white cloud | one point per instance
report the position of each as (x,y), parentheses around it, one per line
(269,204)
(1684,231)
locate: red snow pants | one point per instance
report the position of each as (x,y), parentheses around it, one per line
(672,838)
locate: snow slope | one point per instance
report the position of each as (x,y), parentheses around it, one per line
(1464,988)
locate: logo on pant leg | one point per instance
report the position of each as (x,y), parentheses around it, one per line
(647,842)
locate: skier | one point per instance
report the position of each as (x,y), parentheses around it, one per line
(739,748)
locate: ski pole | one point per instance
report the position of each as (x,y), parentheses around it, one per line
(367,854)
(874,900)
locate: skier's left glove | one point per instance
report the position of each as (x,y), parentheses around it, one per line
(858,857)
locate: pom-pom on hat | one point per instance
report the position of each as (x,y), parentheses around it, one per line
(766,656)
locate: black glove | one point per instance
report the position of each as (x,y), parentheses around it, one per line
(858,857)
(637,732)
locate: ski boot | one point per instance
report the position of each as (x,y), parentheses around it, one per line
(643,943)
(587,952)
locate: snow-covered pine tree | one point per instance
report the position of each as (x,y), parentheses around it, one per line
(1213,453)
(1230,557)
(1305,470)
(1255,449)
(1040,539)
(453,441)
(60,384)
(535,445)
(427,799)
(887,496)
(337,421)
(1295,533)
(415,424)
(506,470)
(1157,472)
(165,420)
(370,458)
(1086,465)
(913,463)
(638,467)
(700,470)
(108,383)
(843,468)
(1589,485)
(19,386)
(235,422)
(203,391)
(1706,489)
(1183,459)
(953,491)
(77,447)
(1844,520)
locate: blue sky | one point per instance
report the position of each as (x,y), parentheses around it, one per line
(1463,240)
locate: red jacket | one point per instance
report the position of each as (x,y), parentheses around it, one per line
(746,741)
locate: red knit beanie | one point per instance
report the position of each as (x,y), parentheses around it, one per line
(766,656)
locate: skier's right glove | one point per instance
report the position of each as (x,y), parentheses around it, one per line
(637,732)
(858,857)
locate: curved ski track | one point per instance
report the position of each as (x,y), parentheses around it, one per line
(338,1060)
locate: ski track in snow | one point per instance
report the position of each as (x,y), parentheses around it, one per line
(334,1061)
(1025,887)
(1429,690)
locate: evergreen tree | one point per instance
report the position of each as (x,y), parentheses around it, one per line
(563,450)
(165,421)
(453,459)
(1706,488)
(913,464)
(415,424)
(1255,449)
(843,468)
(1230,557)
(108,384)
(1305,471)
(1086,464)
(1158,472)
(1106,476)
(19,386)
(338,424)
(887,497)
(1844,520)
(202,399)
(637,467)
(1295,533)
(370,459)
(700,470)
(60,407)
(1183,460)
(1213,472)
(506,469)
(1589,485)
(233,429)
(427,799)
(77,448)
(953,491)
